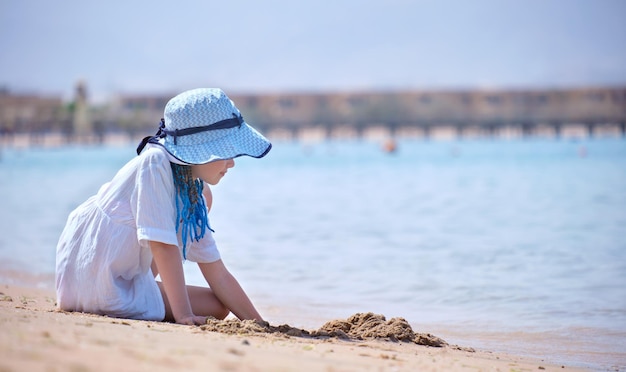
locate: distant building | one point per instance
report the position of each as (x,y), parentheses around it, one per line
(138,114)
(29,113)
(551,112)
(576,112)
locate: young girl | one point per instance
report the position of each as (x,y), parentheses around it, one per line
(153,215)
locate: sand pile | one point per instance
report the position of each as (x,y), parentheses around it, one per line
(360,326)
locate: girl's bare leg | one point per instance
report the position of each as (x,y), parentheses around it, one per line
(203,303)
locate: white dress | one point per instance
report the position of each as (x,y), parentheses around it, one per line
(103,256)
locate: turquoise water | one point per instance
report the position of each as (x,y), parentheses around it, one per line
(490,236)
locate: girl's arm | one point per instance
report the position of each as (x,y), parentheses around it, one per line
(223,284)
(169,265)
(228,291)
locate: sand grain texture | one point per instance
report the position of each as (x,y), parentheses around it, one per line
(35,336)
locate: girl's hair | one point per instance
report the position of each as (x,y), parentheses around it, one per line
(191,211)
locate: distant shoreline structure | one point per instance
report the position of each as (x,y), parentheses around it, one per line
(437,115)
(313,135)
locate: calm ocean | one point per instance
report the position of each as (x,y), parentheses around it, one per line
(515,246)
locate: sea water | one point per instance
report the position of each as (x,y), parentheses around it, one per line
(524,238)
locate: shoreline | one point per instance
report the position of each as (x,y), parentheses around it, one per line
(37,336)
(307,136)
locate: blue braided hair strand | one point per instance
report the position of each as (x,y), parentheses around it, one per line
(191,211)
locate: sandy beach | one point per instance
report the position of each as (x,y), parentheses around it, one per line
(37,337)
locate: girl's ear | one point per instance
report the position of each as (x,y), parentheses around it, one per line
(208,196)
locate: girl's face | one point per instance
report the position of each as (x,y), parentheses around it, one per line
(213,172)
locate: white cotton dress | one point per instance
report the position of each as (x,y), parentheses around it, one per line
(103,256)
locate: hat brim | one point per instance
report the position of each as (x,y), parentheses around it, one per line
(221,144)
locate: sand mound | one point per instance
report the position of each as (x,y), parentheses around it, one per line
(360,326)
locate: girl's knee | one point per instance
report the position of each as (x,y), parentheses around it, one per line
(205,303)
(222,312)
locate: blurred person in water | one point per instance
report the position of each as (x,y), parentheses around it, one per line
(153,215)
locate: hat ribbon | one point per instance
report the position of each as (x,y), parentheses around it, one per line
(235,121)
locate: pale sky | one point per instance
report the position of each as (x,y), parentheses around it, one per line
(161,46)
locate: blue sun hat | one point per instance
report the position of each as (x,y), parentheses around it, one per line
(203,125)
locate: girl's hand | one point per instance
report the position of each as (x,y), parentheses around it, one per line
(192,320)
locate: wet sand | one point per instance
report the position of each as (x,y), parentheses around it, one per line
(37,337)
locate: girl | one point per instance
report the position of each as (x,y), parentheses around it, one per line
(153,215)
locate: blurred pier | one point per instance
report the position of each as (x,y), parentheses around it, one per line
(441,114)
(556,113)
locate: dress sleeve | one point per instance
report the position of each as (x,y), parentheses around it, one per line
(153,200)
(205,250)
